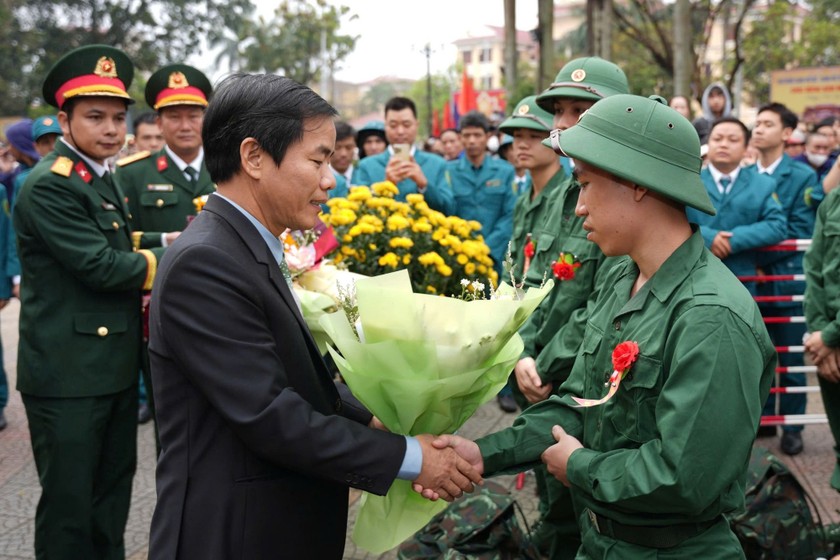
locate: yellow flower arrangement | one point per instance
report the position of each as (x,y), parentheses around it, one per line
(379,234)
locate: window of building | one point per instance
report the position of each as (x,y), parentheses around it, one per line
(486,55)
(467,56)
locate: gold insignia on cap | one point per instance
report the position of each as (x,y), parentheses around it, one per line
(48,121)
(578,75)
(177,80)
(105,67)
(524,109)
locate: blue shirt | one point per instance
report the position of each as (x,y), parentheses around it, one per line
(413,460)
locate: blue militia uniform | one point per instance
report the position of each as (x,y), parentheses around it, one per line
(750,211)
(486,194)
(438,192)
(798,191)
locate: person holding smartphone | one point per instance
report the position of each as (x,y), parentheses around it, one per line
(411,170)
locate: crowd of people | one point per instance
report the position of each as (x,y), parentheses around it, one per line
(656,214)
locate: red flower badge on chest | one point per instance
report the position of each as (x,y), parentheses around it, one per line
(623,357)
(565,266)
(530,248)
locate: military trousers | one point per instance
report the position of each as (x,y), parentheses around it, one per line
(831,400)
(85,452)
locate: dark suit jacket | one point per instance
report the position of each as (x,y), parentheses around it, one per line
(258,444)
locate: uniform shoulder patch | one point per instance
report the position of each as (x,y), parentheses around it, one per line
(133,157)
(63,166)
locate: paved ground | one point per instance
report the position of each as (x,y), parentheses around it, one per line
(19,488)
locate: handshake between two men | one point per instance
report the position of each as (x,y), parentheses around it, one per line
(453,464)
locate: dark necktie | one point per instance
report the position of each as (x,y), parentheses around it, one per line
(193,174)
(725,181)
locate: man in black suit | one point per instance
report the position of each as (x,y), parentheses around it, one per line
(259,445)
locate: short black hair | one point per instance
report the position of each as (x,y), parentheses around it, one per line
(400,103)
(343,130)
(147,117)
(268,108)
(475,119)
(445,130)
(828,121)
(788,117)
(734,121)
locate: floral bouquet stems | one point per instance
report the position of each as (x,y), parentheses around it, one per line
(422,364)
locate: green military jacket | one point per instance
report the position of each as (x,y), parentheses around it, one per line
(528,213)
(822,272)
(159,195)
(672,445)
(80,327)
(553,333)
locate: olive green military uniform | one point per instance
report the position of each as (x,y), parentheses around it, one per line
(822,304)
(670,449)
(80,330)
(79,352)
(666,456)
(528,212)
(553,334)
(159,195)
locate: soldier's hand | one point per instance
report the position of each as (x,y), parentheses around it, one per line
(829,367)
(556,457)
(171,236)
(444,474)
(415,173)
(397,170)
(529,381)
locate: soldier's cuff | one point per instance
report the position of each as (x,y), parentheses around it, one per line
(136,239)
(831,335)
(151,268)
(578,467)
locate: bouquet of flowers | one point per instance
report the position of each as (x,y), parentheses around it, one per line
(379,234)
(422,364)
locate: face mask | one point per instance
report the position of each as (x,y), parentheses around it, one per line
(493,144)
(816,159)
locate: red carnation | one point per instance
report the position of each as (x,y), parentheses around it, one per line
(624,355)
(530,248)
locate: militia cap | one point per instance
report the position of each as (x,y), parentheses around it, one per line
(527,114)
(48,124)
(590,78)
(178,84)
(90,71)
(644,141)
(19,136)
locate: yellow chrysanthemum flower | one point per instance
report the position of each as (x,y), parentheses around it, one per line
(469,268)
(397,222)
(462,259)
(389,259)
(385,188)
(401,243)
(414,198)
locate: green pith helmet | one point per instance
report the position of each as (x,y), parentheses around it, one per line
(590,78)
(178,84)
(641,140)
(527,114)
(89,71)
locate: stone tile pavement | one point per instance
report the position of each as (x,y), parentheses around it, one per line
(19,490)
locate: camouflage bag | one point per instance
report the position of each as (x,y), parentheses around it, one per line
(480,526)
(777,520)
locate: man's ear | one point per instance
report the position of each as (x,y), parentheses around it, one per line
(639,192)
(252,158)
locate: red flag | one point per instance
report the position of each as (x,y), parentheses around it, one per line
(435,123)
(467,102)
(447,116)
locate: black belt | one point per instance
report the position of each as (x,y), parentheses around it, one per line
(666,536)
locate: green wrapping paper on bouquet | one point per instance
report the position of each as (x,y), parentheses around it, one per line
(422,364)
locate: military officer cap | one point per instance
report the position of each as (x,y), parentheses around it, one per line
(641,140)
(528,114)
(178,84)
(90,71)
(48,124)
(590,78)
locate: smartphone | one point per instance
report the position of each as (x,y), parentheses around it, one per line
(402,151)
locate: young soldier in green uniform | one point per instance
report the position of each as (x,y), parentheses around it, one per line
(553,333)
(528,126)
(822,313)
(161,187)
(653,469)
(483,187)
(80,327)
